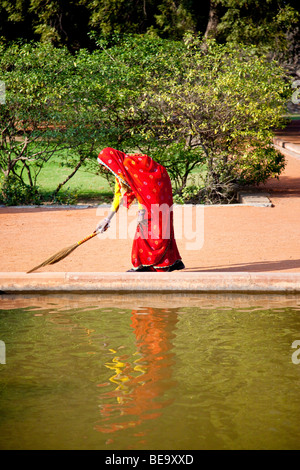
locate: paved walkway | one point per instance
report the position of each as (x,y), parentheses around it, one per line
(289,138)
(238,246)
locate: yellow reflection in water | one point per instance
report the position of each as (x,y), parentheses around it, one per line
(141,380)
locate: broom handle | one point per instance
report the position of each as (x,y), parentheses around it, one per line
(87,238)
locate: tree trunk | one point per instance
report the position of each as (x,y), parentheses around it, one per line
(70,176)
(213,20)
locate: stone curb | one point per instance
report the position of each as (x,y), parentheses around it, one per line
(286,152)
(287,145)
(255,199)
(106,206)
(183,282)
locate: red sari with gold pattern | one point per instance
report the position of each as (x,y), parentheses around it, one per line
(147,181)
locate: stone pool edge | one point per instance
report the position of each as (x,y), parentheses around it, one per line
(184,282)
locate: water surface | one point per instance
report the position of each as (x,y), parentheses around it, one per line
(153,378)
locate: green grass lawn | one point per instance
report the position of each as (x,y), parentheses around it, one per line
(292,117)
(84,185)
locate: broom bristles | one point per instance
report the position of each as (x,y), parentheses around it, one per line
(56,258)
(63,253)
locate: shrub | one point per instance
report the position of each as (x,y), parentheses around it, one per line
(198,104)
(13,192)
(191,105)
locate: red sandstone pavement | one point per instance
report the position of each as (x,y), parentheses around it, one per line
(289,138)
(237,238)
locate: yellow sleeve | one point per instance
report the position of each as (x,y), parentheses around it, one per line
(117,197)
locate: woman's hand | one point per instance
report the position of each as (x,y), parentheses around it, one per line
(141,217)
(105,223)
(103,226)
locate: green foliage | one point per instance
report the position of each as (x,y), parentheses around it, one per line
(46,111)
(254,22)
(13,192)
(120,16)
(30,112)
(272,23)
(175,19)
(258,165)
(192,105)
(68,22)
(189,193)
(59,22)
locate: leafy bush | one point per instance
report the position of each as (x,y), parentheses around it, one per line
(199,104)
(191,105)
(13,192)
(44,112)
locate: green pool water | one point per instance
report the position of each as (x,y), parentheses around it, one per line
(143,377)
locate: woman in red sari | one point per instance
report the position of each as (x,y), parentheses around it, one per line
(139,177)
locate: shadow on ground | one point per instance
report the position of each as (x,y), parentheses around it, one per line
(260,266)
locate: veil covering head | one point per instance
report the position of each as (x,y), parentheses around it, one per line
(147,181)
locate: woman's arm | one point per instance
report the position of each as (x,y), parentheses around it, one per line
(104,224)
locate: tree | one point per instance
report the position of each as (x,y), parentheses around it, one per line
(191,107)
(214,16)
(69,22)
(272,23)
(175,18)
(212,107)
(268,24)
(43,114)
(60,22)
(29,107)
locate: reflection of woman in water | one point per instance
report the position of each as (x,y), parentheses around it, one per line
(140,177)
(141,386)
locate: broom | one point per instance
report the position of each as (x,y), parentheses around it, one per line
(63,253)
